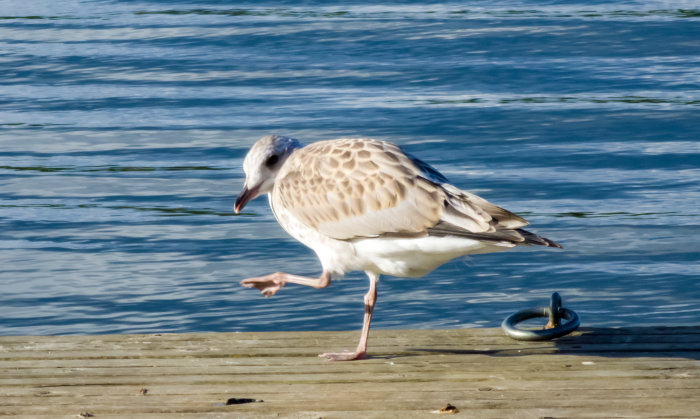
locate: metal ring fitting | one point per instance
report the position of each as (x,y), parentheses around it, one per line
(555,312)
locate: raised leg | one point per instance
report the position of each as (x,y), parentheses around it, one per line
(270,284)
(361,351)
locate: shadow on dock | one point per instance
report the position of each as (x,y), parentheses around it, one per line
(664,342)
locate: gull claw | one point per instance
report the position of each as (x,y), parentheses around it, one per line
(267,287)
(270,291)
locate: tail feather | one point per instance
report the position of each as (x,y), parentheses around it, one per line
(532,238)
(516,236)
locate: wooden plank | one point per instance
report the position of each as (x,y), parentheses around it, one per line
(639,372)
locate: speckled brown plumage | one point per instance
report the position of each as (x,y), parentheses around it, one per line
(352,188)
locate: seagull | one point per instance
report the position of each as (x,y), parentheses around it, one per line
(367,205)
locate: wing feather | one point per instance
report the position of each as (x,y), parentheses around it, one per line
(358,188)
(349,189)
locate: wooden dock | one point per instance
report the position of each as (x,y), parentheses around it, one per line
(594,373)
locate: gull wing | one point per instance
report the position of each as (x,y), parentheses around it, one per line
(358,188)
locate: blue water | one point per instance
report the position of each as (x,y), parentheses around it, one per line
(123,125)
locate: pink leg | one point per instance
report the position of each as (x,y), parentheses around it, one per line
(270,284)
(361,351)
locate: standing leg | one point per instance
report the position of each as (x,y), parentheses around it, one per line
(361,351)
(270,284)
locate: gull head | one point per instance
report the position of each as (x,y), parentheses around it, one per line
(261,165)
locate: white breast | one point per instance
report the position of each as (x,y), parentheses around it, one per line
(336,256)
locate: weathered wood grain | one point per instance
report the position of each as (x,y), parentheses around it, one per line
(604,373)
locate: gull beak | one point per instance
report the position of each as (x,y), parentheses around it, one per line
(245,196)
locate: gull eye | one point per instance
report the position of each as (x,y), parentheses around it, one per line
(272,160)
